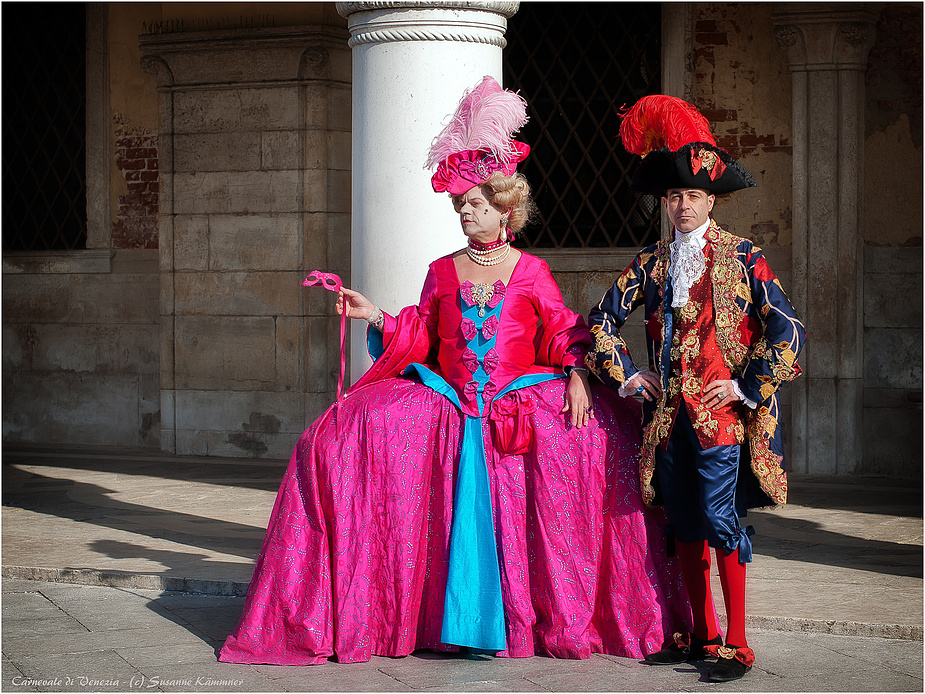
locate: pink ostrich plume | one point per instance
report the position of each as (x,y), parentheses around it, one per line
(485,119)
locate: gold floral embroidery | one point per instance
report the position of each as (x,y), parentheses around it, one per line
(767,466)
(689,312)
(737,429)
(691,345)
(659,272)
(705,422)
(615,370)
(726,271)
(691,386)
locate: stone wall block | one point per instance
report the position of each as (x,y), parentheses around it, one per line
(222,151)
(339,150)
(167,325)
(243,444)
(315,404)
(882,310)
(315,150)
(103,349)
(237,353)
(238,293)
(341,66)
(322,353)
(822,446)
(236,61)
(339,191)
(72,410)
(149,409)
(315,190)
(253,109)
(339,243)
(338,113)
(15,347)
(315,103)
(568,285)
(884,260)
(246,192)
(91,299)
(254,242)
(896,451)
(893,357)
(191,242)
(289,335)
(230,410)
(279,150)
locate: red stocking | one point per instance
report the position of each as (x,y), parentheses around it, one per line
(695,566)
(732,577)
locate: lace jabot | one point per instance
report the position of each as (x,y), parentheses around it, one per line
(687,263)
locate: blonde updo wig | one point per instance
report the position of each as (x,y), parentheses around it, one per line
(511,194)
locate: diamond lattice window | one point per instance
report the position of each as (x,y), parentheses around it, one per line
(44,126)
(578,65)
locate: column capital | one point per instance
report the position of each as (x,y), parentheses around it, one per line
(384,21)
(823,36)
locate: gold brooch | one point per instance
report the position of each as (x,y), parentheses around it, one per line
(707,159)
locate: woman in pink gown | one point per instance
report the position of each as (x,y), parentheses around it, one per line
(472,489)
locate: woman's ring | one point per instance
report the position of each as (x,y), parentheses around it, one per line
(722,395)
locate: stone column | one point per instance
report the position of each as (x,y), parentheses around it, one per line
(827,47)
(411,63)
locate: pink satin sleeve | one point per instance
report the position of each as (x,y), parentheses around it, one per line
(564,338)
(406,338)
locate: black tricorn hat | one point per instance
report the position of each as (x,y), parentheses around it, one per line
(677,148)
(690,166)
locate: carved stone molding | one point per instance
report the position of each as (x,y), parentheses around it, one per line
(824,36)
(463,22)
(786,35)
(159,68)
(508,9)
(313,61)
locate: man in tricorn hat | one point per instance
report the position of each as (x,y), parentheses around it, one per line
(722,337)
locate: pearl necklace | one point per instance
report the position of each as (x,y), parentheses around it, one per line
(476,256)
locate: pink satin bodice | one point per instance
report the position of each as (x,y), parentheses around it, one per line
(536,332)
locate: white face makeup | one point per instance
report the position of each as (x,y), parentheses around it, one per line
(480,220)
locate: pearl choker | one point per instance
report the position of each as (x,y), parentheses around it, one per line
(478,246)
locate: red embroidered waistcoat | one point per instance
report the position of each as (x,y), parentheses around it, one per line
(696,361)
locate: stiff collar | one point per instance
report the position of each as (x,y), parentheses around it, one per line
(698,234)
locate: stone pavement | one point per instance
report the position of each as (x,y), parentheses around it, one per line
(124,570)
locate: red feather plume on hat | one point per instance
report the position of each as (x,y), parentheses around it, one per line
(658,121)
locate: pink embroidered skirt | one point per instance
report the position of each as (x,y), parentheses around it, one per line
(355,558)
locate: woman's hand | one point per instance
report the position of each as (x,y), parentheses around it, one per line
(578,398)
(357,305)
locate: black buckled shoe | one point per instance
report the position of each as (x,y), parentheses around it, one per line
(682,649)
(731,664)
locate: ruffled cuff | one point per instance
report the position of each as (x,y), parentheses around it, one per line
(738,391)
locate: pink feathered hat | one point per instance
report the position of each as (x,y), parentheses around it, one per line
(477,140)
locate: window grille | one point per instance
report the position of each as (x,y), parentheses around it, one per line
(44,126)
(578,65)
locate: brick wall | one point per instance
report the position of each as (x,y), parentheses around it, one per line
(742,86)
(136,159)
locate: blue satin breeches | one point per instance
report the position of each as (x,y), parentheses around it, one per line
(698,488)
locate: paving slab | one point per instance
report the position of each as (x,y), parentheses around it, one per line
(834,603)
(174,655)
